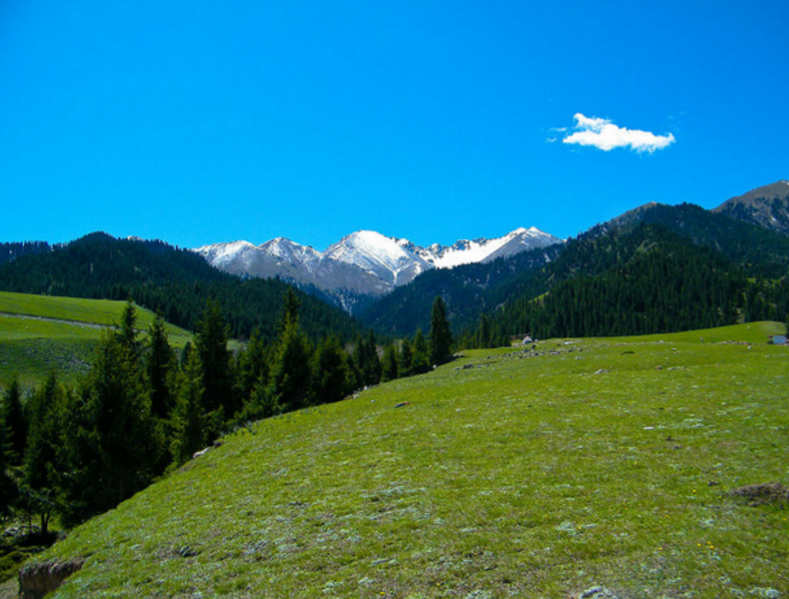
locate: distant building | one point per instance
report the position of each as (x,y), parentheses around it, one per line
(779,339)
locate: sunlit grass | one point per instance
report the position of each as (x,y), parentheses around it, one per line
(42,334)
(530,474)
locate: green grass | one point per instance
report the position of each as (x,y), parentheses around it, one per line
(42,334)
(595,462)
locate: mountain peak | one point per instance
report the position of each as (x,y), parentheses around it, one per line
(767,206)
(364,262)
(777,190)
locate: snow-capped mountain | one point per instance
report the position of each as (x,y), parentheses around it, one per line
(364,263)
(391,260)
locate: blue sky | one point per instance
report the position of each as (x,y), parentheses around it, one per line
(200,122)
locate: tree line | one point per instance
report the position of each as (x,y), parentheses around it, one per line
(647,281)
(176,282)
(143,410)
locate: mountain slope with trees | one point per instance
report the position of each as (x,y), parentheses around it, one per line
(750,250)
(161,277)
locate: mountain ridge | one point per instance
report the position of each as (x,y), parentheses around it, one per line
(766,206)
(364,263)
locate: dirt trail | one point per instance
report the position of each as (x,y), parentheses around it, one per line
(76,323)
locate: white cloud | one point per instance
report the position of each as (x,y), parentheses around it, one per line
(604,135)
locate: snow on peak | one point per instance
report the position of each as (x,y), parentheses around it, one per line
(388,258)
(364,261)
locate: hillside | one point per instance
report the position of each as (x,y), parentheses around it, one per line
(547,472)
(749,249)
(468,290)
(40,334)
(161,277)
(767,206)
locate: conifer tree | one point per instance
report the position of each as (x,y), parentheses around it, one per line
(252,369)
(211,345)
(367,359)
(440,334)
(127,334)
(405,358)
(161,367)
(42,469)
(483,332)
(289,381)
(329,372)
(421,362)
(112,445)
(188,422)
(7,483)
(13,416)
(389,369)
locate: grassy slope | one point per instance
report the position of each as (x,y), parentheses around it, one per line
(532,477)
(66,337)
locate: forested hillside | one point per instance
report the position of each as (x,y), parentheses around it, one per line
(468,290)
(679,240)
(161,277)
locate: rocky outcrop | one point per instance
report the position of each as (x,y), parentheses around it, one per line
(36,580)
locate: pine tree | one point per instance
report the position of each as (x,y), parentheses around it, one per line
(290,311)
(405,358)
(440,334)
(42,469)
(127,334)
(484,340)
(389,368)
(367,359)
(13,416)
(7,483)
(161,367)
(211,345)
(289,381)
(188,423)
(112,445)
(329,372)
(252,370)
(421,361)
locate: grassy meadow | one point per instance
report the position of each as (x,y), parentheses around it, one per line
(42,334)
(544,472)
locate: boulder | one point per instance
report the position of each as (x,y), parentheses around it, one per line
(36,580)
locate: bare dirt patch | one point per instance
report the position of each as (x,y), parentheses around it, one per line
(766,493)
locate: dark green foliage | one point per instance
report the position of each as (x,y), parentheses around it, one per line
(161,277)
(470,289)
(656,282)
(112,446)
(329,372)
(188,422)
(127,333)
(290,377)
(367,360)
(760,251)
(483,288)
(483,332)
(389,364)
(161,368)
(13,417)
(290,311)
(7,483)
(43,467)
(211,346)
(252,369)
(12,251)
(421,360)
(440,334)
(405,358)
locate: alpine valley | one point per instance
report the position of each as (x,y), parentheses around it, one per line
(363,265)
